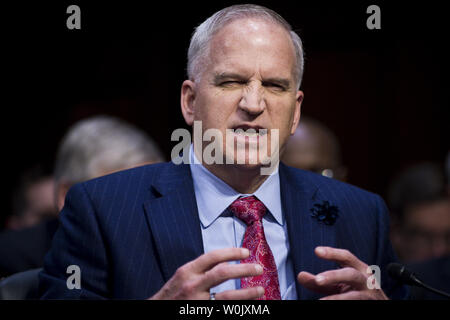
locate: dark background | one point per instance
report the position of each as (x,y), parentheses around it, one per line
(383,92)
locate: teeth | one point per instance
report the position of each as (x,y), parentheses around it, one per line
(249,134)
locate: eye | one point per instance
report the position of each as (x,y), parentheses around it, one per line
(231,83)
(275,86)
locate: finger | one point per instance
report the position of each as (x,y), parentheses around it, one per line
(241,294)
(342,256)
(351,295)
(349,276)
(226,271)
(308,280)
(212,258)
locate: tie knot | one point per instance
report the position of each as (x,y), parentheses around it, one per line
(248,209)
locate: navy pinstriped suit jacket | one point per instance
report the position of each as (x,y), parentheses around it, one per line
(129,231)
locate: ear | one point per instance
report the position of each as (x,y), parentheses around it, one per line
(61,191)
(297,111)
(187,101)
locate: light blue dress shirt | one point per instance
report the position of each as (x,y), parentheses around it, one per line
(221,229)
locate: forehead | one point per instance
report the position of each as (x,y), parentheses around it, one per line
(251,45)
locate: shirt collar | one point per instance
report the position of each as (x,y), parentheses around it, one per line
(213,195)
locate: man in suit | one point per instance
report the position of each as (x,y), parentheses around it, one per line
(420,232)
(170,231)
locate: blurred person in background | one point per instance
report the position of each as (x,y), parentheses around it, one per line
(314,147)
(91,148)
(33,199)
(99,146)
(421,213)
(420,233)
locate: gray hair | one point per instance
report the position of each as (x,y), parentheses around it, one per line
(101,144)
(198,48)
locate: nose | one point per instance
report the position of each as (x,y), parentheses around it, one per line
(252,100)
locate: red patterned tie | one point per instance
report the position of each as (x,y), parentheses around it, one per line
(251,211)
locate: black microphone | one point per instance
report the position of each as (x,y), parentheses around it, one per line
(400,273)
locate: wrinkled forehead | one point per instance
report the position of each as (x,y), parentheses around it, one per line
(249,43)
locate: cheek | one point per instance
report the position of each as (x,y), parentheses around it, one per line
(282,118)
(282,114)
(216,108)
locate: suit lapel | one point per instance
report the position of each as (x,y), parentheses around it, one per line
(298,195)
(173,218)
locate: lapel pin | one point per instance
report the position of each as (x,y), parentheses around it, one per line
(325,213)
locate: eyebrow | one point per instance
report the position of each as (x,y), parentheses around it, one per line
(218,77)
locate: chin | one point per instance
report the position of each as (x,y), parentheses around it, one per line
(245,159)
(246,167)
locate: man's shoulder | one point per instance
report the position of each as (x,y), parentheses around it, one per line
(356,206)
(135,183)
(143,174)
(327,186)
